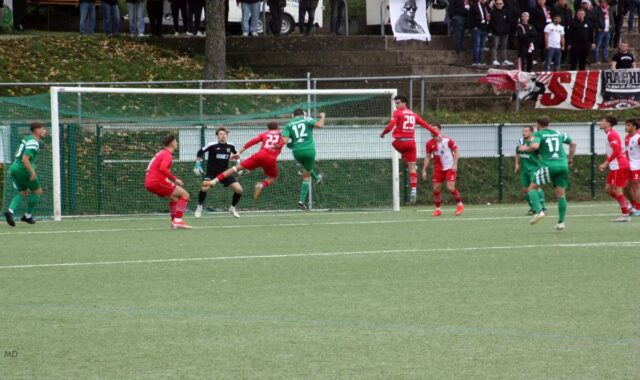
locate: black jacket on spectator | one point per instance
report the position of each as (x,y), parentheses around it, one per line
(598,19)
(537,18)
(500,23)
(565,14)
(476,20)
(458,9)
(580,33)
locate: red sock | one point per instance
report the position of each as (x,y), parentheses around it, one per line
(456,196)
(623,204)
(220,177)
(180,207)
(265,184)
(437,199)
(637,206)
(413,180)
(172,209)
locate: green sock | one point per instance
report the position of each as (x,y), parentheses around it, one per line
(535,201)
(304,191)
(562,209)
(526,198)
(15,203)
(543,204)
(314,175)
(31,202)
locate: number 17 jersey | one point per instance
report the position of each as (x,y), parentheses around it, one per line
(551,148)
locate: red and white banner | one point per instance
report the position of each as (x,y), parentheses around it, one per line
(572,90)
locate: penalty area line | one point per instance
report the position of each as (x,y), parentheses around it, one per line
(321,254)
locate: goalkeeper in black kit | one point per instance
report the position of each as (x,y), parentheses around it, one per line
(218,156)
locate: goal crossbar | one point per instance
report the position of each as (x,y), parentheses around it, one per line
(55,121)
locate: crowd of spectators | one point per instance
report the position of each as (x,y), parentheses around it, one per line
(544,31)
(191,14)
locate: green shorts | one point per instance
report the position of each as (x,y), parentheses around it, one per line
(306,158)
(525,178)
(558,176)
(22,180)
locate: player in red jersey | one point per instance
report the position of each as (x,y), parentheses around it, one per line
(265,158)
(445,168)
(162,183)
(618,166)
(403,124)
(632,144)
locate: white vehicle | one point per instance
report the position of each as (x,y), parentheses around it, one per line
(289,18)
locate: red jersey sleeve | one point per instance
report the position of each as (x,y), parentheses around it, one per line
(392,123)
(615,146)
(431,146)
(452,145)
(427,126)
(253,141)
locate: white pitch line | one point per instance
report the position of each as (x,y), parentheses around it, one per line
(461,219)
(316,254)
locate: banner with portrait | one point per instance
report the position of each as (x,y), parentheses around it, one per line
(572,90)
(6,15)
(409,20)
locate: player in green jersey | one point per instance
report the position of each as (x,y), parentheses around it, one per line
(554,168)
(527,164)
(23,174)
(298,135)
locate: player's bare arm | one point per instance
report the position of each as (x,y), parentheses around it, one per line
(531,148)
(27,165)
(572,151)
(456,157)
(424,167)
(320,122)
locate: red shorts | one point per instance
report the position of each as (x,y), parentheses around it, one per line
(440,176)
(262,160)
(635,176)
(407,149)
(160,188)
(618,178)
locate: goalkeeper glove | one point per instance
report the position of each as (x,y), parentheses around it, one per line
(198,170)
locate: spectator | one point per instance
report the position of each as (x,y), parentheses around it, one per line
(110,17)
(500,27)
(513,9)
(460,17)
(479,17)
(623,59)
(634,6)
(179,9)
(527,35)
(619,9)
(540,16)
(337,16)
(276,9)
(306,7)
(154,10)
(19,11)
(562,8)
(588,11)
(250,15)
(135,9)
(602,25)
(194,14)
(554,43)
(581,40)
(87,17)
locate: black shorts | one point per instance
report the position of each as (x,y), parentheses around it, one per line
(226,182)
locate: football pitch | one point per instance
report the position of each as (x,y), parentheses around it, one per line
(324,295)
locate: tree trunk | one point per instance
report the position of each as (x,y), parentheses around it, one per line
(215,54)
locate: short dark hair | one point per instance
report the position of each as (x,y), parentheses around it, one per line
(543,121)
(168,140)
(401,98)
(634,121)
(611,120)
(222,129)
(35,126)
(298,112)
(272,125)
(529,127)
(437,125)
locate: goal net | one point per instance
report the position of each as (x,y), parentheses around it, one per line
(102,139)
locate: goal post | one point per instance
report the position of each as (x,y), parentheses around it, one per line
(121,127)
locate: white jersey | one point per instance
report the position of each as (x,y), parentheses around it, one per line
(633,151)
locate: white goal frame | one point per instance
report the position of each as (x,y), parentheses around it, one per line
(55,122)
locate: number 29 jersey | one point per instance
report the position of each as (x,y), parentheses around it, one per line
(405,124)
